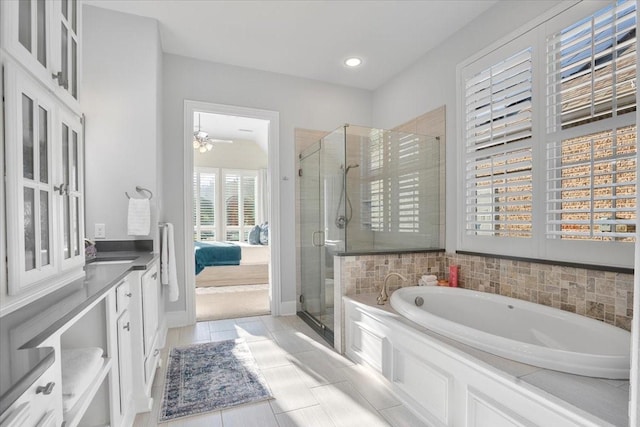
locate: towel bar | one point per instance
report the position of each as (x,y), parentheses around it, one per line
(141,190)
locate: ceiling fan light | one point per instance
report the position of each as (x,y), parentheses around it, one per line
(196,144)
(208,146)
(202,149)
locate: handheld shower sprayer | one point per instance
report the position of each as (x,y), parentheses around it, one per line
(343,220)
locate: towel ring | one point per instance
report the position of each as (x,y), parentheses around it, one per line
(142,191)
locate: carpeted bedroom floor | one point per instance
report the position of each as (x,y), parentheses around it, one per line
(230,302)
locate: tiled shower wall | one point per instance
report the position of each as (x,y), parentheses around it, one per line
(602,295)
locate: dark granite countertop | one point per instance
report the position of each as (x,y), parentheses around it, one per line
(48,314)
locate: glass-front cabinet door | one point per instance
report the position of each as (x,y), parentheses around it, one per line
(44,36)
(68,22)
(30,182)
(71,191)
(44,187)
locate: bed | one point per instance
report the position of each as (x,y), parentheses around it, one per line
(208,254)
(251,267)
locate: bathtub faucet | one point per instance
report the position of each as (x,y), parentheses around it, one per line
(383,297)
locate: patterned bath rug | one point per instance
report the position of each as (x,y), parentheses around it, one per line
(211,376)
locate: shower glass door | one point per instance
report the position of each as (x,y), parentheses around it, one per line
(311,234)
(321,189)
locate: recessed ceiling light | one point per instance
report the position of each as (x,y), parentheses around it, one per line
(352,62)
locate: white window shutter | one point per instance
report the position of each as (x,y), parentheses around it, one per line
(498,148)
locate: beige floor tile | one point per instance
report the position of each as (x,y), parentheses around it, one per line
(313,416)
(371,385)
(399,416)
(224,335)
(293,341)
(213,419)
(254,415)
(222,325)
(268,354)
(315,368)
(195,333)
(288,388)
(346,407)
(276,323)
(253,331)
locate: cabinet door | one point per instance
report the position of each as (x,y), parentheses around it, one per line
(72,206)
(150,299)
(67,45)
(124,361)
(31,195)
(26,34)
(44,36)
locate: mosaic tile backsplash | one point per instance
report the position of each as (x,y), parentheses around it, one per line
(601,295)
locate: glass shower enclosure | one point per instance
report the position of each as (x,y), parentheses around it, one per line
(363,191)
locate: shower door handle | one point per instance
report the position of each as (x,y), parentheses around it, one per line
(314,240)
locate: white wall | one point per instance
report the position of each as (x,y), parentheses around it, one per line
(301,103)
(431,82)
(241,154)
(121,100)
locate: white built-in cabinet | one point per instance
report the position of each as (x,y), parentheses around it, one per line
(146,335)
(43,148)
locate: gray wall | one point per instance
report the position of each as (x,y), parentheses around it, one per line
(121,99)
(301,103)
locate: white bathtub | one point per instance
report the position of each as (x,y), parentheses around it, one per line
(519,330)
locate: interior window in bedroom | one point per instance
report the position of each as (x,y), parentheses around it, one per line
(227,204)
(204,204)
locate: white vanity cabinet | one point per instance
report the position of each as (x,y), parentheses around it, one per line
(37,406)
(44,36)
(146,334)
(122,410)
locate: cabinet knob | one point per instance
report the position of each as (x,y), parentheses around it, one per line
(128,294)
(154,276)
(156,352)
(47,389)
(62,189)
(59,76)
(127,326)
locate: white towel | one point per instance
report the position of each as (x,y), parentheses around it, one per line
(168,274)
(139,217)
(79,369)
(430,277)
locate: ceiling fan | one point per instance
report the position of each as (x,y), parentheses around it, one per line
(203,143)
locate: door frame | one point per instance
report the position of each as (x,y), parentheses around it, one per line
(273,174)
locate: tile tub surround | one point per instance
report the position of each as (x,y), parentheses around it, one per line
(601,295)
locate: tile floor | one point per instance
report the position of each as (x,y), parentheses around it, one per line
(312,385)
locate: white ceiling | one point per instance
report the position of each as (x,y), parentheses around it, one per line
(308,39)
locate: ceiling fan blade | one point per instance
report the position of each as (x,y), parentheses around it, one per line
(222,141)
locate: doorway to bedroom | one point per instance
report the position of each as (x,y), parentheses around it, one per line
(230,216)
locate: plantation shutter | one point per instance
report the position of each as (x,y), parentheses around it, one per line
(409,170)
(249,189)
(231,199)
(204,211)
(375,208)
(591,140)
(498,148)
(591,68)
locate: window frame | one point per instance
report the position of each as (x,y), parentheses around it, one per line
(538,246)
(220,226)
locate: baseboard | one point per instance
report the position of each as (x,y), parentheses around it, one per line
(288,308)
